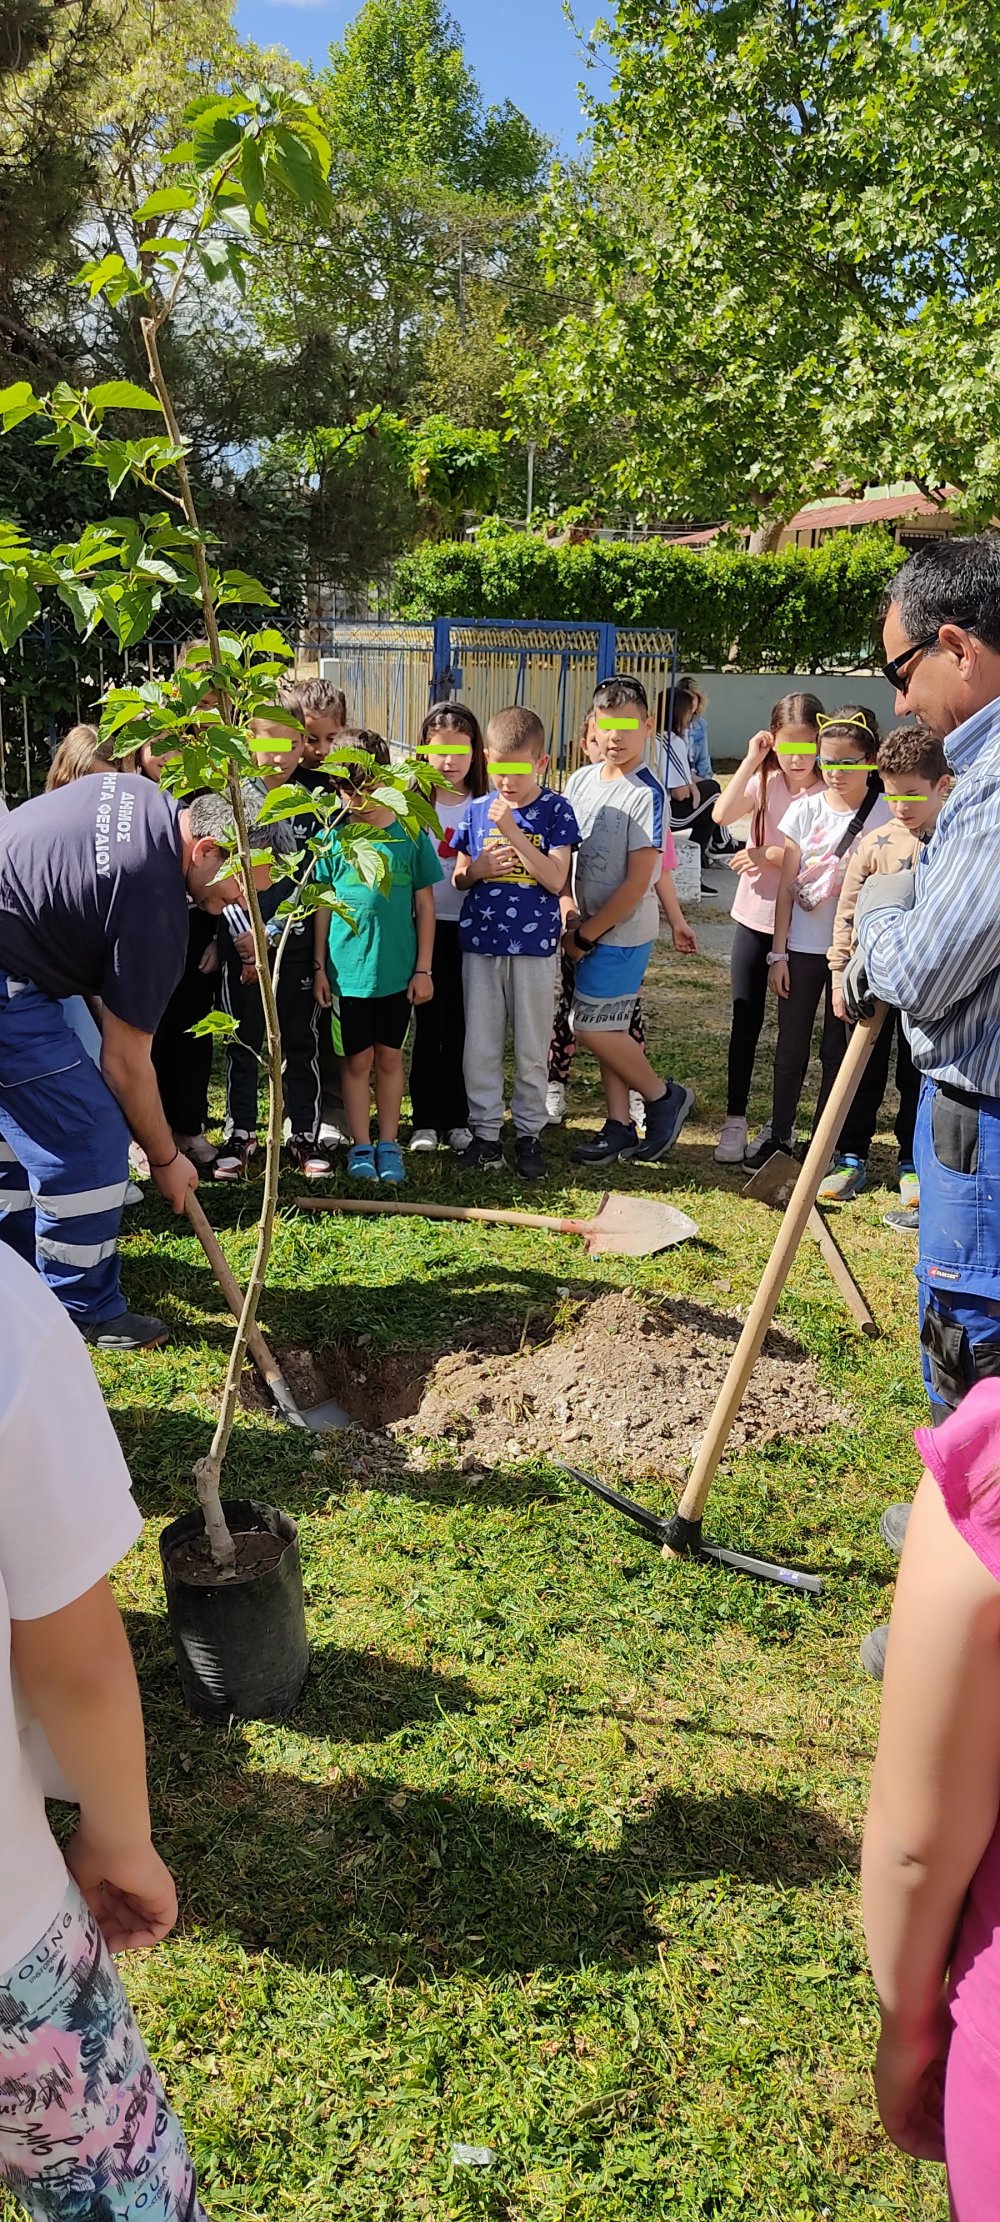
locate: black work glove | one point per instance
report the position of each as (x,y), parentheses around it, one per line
(859,1001)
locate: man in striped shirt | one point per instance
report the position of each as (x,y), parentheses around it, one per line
(930,944)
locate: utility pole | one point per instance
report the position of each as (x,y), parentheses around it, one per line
(531,480)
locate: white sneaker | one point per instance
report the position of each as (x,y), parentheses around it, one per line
(331,1135)
(459,1137)
(424,1138)
(555,1103)
(730,1148)
(637,1108)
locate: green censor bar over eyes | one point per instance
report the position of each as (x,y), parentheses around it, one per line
(454,749)
(844,764)
(505,770)
(617,725)
(794,748)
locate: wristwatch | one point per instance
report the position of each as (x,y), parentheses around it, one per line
(582,940)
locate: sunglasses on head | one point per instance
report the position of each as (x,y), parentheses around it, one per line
(893,670)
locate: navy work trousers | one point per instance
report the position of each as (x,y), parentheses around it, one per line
(957,1152)
(63,1155)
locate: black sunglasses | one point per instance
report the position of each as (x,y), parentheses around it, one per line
(893,669)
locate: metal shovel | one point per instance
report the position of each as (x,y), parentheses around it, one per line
(321,1418)
(625,1226)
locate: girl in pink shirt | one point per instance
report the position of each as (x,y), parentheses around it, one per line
(931,1861)
(779,766)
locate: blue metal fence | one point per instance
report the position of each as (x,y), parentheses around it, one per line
(391,672)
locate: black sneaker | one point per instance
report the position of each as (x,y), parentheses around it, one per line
(902,1222)
(528,1157)
(128,1331)
(664,1120)
(616,1139)
(766,1148)
(722,844)
(480,1155)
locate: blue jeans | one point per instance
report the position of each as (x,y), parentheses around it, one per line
(957,1153)
(63,1155)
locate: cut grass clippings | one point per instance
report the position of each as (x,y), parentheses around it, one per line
(558,1855)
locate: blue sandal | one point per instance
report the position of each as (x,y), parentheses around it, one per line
(389,1163)
(361,1162)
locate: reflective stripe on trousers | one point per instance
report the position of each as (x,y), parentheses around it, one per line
(63,1155)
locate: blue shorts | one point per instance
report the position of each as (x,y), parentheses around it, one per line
(607,983)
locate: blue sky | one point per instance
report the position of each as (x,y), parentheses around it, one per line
(521,50)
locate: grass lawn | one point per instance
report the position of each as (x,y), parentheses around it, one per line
(558,1856)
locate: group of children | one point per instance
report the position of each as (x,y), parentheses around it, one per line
(529,917)
(829,803)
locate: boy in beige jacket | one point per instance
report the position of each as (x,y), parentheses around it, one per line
(916,779)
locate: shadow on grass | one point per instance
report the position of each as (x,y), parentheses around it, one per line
(352,1697)
(364,1871)
(369,1874)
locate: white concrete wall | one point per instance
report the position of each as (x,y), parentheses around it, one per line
(741,701)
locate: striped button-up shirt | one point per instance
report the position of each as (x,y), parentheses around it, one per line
(939,963)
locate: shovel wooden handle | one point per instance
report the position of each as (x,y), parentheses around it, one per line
(262,1356)
(776,1271)
(840,1272)
(442,1211)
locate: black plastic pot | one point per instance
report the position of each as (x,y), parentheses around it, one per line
(240,1645)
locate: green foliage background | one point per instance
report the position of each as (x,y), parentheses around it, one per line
(793,611)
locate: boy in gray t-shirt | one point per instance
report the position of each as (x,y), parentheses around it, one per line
(621,811)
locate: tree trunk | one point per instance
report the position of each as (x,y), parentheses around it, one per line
(765,536)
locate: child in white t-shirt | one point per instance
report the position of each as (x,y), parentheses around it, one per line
(820,832)
(72,2061)
(450,737)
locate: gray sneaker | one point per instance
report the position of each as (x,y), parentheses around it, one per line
(893,1525)
(129,1331)
(872,1653)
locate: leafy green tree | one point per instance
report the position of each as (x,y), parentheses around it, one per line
(784,261)
(245,153)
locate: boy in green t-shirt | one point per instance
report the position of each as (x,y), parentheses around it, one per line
(372,971)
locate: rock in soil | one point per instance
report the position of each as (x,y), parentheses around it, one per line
(631,1384)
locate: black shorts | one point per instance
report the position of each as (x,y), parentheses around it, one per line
(369,1022)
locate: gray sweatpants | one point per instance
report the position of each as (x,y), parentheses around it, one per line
(501,993)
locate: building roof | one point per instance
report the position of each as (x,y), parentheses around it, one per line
(876,509)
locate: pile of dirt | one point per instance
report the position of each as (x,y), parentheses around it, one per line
(632,1384)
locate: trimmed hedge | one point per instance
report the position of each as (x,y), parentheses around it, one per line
(797,611)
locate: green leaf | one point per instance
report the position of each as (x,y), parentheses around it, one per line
(164,245)
(215,135)
(19,606)
(284,802)
(238,586)
(252,176)
(168,200)
(134,610)
(121,393)
(216,1025)
(83,604)
(96,274)
(182,152)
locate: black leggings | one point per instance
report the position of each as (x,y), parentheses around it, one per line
(809,984)
(437,1089)
(748,973)
(696,817)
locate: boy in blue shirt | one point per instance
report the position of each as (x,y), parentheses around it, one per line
(374,965)
(514,848)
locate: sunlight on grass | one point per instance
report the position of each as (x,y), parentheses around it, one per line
(558,1855)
